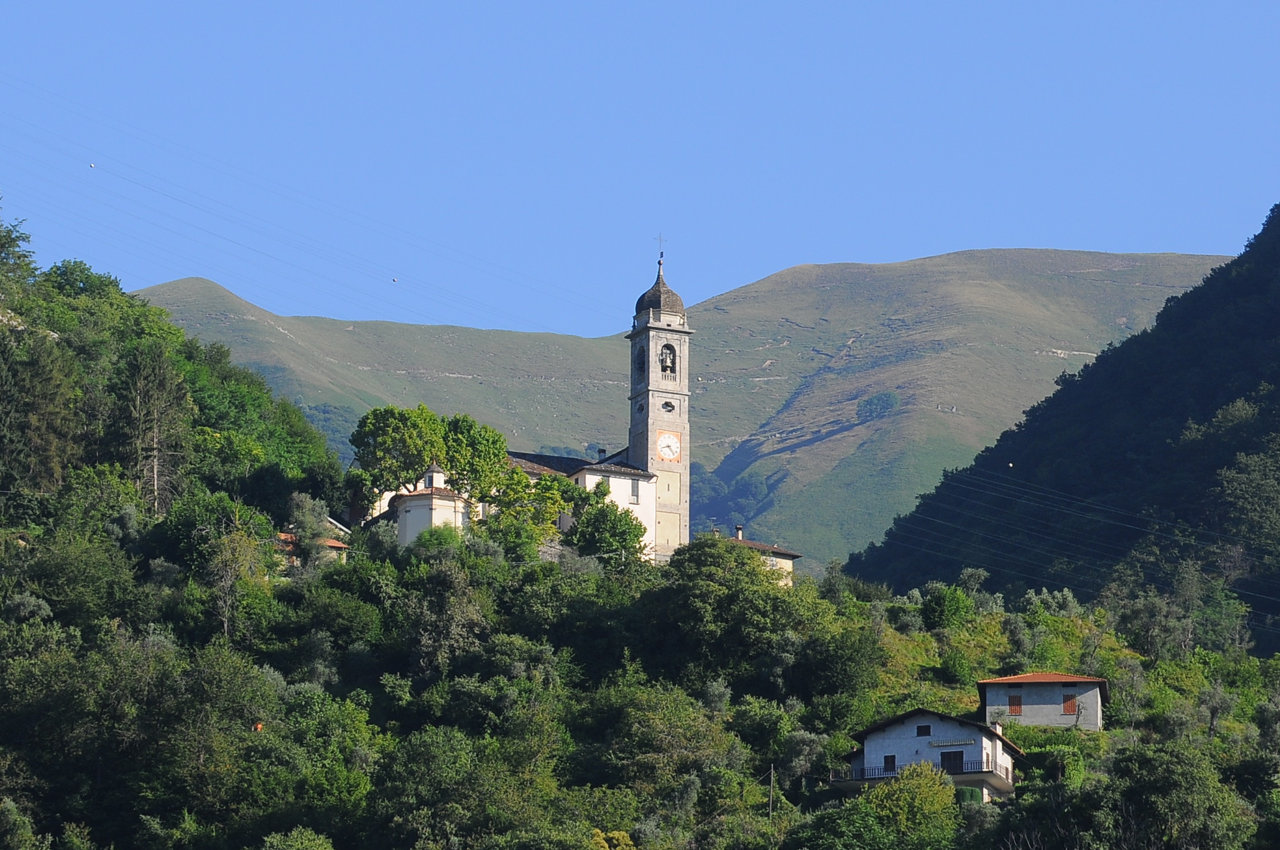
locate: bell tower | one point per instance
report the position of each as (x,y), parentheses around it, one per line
(659,436)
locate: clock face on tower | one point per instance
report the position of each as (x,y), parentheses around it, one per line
(668,445)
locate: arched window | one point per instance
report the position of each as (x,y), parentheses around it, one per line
(667,359)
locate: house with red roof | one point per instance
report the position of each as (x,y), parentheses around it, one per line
(780,560)
(976,753)
(1045,699)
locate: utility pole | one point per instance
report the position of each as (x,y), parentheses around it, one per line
(770,792)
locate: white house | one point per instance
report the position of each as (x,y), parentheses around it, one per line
(428,505)
(975,755)
(782,561)
(1045,699)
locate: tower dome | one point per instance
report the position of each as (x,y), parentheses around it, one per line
(660,297)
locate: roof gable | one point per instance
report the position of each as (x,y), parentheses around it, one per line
(984,729)
(1046,678)
(540,464)
(767,548)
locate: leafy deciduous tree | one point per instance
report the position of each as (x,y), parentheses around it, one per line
(395,445)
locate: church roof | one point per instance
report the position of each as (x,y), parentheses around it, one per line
(660,297)
(540,464)
(443,492)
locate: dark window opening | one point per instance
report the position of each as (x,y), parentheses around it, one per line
(667,359)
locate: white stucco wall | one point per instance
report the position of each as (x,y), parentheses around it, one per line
(784,566)
(415,513)
(644,509)
(1042,704)
(901,741)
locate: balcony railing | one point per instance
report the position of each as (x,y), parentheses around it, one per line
(974,766)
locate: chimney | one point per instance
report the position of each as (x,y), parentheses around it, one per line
(601,453)
(737,532)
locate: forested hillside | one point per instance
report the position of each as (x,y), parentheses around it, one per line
(1152,470)
(173,674)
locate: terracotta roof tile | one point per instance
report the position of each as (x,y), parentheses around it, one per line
(1027,678)
(1045,679)
(427,491)
(767,548)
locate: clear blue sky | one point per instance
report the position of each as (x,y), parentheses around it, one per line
(510,165)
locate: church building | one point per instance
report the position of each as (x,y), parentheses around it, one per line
(650,477)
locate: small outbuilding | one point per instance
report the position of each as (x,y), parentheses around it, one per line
(1045,699)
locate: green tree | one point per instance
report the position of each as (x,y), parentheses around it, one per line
(918,807)
(851,825)
(193,524)
(1168,796)
(395,445)
(75,277)
(475,456)
(426,787)
(947,608)
(44,410)
(657,740)
(17,266)
(723,614)
(237,557)
(16,831)
(14,450)
(308,521)
(298,838)
(614,537)
(528,512)
(157,416)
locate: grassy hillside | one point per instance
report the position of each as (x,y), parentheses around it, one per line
(848,388)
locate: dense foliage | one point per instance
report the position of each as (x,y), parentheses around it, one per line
(175,675)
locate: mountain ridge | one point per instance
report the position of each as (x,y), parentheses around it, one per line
(846,389)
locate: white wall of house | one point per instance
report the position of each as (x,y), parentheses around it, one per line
(904,742)
(1047,704)
(416,512)
(786,568)
(634,494)
(925,737)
